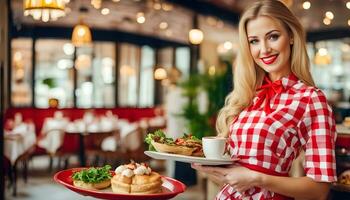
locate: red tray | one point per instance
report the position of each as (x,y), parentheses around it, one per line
(170,188)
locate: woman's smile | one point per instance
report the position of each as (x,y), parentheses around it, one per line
(269,59)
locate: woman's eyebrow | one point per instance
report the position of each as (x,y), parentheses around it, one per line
(252,36)
(268,33)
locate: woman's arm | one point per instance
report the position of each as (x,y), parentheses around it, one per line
(299,188)
(241,179)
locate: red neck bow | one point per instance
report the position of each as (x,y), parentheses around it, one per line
(268,90)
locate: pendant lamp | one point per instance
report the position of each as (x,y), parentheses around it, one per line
(44,10)
(195,35)
(81,33)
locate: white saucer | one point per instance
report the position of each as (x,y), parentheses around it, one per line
(189,159)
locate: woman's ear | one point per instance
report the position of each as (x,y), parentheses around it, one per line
(291,41)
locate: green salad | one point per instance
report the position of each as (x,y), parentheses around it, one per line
(158,136)
(93,175)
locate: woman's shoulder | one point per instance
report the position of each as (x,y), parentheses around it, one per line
(307,90)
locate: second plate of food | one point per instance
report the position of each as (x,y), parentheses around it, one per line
(190,159)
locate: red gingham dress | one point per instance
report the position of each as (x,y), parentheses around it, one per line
(286,116)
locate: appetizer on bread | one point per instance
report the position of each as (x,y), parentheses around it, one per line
(188,145)
(135,178)
(93,178)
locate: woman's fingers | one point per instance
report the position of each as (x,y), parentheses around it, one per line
(209,169)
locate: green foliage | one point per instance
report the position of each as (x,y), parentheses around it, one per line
(217,87)
(93,175)
(50,82)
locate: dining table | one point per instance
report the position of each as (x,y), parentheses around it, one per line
(19,143)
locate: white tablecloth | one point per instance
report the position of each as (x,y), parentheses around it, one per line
(18,141)
(53,130)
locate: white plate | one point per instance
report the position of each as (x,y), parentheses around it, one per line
(189,159)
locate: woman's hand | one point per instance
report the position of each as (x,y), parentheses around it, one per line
(240,178)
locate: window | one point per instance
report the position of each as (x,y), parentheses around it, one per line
(330,64)
(21,64)
(104,74)
(146,77)
(54,73)
(128,74)
(182,61)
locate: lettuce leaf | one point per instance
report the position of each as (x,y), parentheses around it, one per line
(93,175)
(157,136)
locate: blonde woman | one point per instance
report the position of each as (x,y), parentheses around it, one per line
(274,112)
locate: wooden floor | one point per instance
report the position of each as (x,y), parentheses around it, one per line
(41,186)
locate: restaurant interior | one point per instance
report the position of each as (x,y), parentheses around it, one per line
(84,81)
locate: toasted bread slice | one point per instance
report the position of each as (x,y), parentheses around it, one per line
(175,149)
(92,186)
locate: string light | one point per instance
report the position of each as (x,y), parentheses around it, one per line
(306,5)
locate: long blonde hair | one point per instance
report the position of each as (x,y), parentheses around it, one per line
(247,74)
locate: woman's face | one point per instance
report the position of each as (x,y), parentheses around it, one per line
(269,44)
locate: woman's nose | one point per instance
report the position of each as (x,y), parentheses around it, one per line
(265,48)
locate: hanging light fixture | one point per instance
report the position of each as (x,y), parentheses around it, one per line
(160,73)
(44,10)
(195,35)
(81,33)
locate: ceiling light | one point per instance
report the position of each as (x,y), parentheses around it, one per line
(44,10)
(349,22)
(329,15)
(115,0)
(306,5)
(81,35)
(96,3)
(348,4)
(195,36)
(167,7)
(326,21)
(140,18)
(105,11)
(157,6)
(160,73)
(163,25)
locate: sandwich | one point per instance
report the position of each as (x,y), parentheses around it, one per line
(188,144)
(93,178)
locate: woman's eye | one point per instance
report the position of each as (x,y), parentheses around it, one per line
(253,41)
(274,37)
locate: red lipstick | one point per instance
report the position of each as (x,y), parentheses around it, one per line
(269,59)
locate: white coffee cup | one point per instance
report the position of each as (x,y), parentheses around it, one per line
(214,147)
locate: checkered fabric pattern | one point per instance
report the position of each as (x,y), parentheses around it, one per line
(299,118)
